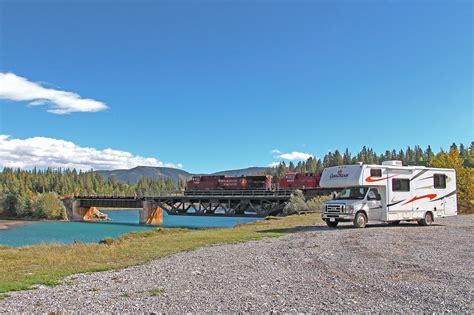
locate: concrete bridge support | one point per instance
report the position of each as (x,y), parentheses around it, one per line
(151,213)
(78,213)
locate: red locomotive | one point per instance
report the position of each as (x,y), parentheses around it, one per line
(219,182)
(299,181)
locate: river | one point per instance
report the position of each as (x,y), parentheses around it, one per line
(123,221)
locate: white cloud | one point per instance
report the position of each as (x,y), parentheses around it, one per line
(275,151)
(48,152)
(16,88)
(300,156)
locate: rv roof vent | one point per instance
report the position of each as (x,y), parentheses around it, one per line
(392,163)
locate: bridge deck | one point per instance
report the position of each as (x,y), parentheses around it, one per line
(231,203)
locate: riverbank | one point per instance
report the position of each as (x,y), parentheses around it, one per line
(313,269)
(47,264)
(6,224)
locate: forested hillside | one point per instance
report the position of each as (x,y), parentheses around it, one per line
(37,193)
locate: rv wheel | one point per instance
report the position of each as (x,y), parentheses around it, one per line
(427,219)
(360,220)
(331,224)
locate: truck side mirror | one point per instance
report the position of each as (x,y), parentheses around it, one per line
(373,196)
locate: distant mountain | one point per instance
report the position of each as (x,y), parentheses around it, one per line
(245,171)
(133,175)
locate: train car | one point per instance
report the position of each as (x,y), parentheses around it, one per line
(219,182)
(299,181)
(256,182)
(203,182)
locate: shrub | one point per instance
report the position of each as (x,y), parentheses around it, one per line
(317,203)
(107,241)
(296,203)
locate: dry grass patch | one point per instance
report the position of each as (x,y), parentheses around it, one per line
(47,264)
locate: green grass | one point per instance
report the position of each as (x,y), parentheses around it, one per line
(156,291)
(47,264)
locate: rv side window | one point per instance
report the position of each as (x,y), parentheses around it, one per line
(439,181)
(376,172)
(400,184)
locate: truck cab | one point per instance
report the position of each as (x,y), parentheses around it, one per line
(354,204)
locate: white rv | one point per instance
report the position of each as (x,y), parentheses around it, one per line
(389,193)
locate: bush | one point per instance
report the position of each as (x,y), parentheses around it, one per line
(316,204)
(49,206)
(296,203)
(107,241)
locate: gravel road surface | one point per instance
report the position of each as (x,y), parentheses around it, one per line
(381,268)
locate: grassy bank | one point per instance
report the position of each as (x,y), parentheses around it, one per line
(47,264)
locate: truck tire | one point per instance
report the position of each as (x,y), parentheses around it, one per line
(427,219)
(331,224)
(395,222)
(360,220)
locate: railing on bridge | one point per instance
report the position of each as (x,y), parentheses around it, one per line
(135,197)
(215,192)
(240,192)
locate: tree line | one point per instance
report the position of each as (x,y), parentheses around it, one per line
(38,193)
(461,158)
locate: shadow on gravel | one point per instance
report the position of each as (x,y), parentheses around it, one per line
(324,228)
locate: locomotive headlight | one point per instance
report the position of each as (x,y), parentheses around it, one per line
(349,208)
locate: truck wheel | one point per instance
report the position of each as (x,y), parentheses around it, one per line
(360,220)
(427,219)
(331,224)
(395,222)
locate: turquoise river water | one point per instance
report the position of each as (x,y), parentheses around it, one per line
(123,221)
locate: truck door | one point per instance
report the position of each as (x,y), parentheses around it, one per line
(375,204)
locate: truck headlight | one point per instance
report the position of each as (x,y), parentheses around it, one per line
(349,209)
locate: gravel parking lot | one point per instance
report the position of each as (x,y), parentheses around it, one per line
(381,268)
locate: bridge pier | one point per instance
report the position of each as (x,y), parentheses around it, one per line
(151,213)
(79,213)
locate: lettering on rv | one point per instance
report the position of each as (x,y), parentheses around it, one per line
(340,173)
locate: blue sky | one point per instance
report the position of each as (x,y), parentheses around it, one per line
(217,85)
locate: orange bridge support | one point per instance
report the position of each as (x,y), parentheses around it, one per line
(151,213)
(80,213)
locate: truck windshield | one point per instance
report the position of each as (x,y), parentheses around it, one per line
(352,193)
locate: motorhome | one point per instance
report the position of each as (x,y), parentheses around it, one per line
(389,193)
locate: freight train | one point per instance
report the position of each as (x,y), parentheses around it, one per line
(221,182)
(291,181)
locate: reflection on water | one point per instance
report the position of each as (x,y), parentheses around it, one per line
(69,232)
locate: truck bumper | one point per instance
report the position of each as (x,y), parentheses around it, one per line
(339,217)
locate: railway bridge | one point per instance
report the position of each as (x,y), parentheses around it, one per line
(257,203)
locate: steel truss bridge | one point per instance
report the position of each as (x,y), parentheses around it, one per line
(259,203)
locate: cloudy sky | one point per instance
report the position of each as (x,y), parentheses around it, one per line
(214,86)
